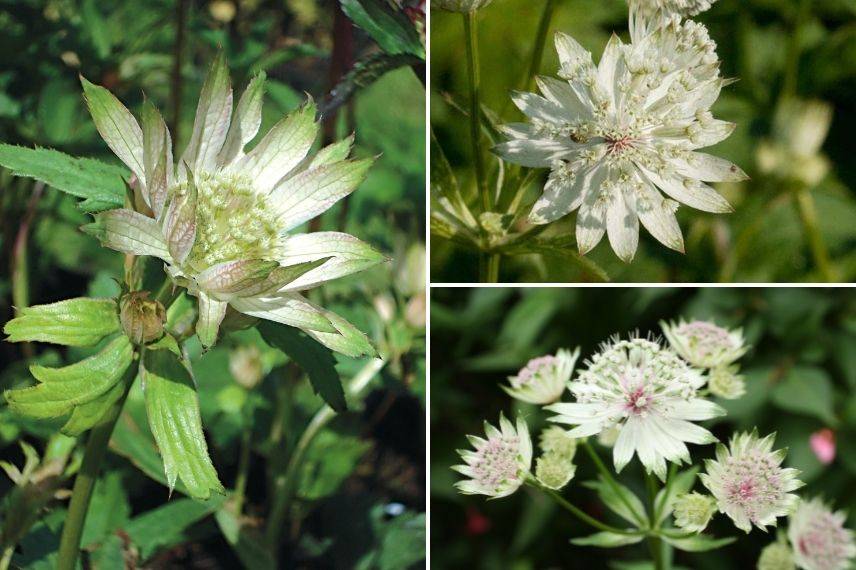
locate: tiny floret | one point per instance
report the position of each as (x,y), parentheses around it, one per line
(724,382)
(543,379)
(649,394)
(819,538)
(499,463)
(693,511)
(776,556)
(705,344)
(749,483)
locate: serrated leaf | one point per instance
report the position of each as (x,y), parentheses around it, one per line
(172,406)
(699,543)
(389,27)
(88,415)
(61,389)
(73,322)
(315,359)
(614,502)
(608,540)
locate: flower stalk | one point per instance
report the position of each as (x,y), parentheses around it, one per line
(540,42)
(474,77)
(808,216)
(610,480)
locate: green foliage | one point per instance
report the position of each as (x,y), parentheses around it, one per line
(387,26)
(74,322)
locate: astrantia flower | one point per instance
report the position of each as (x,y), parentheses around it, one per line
(554,470)
(693,511)
(543,379)
(776,556)
(649,394)
(749,483)
(670,7)
(224,221)
(725,382)
(460,5)
(499,464)
(819,538)
(704,344)
(619,136)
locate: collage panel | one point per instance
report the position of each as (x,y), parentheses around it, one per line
(631,428)
(689,141)
(212,284)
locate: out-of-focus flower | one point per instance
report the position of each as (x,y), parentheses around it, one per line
(555,439)
(222,10)
(646,391)
(664,9)
(477,523)
(221,219)
(776,556)
(794,153)
(822,443)
(693,511)
(460,5)
(499,464)
(725,382)
(246,366)
(749,483)
(554,470)
(705,344)
(620,135)
(543,379)
(819,538)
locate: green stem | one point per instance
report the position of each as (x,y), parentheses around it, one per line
(285,493)
(607,476)
(493,262)
(243,466)
(96,447)
(655,544)
(579,513)
(474,76)
(808,216)
(8,552)
(540,42)
(789,84)
(659,506)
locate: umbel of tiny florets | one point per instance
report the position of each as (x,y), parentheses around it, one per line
(725,382)
(819,538)
(554,471)
(621,139)
(705,344)
(499,463)
(543,379)
(646,392)
(224,221)
(693,511)
(749,483)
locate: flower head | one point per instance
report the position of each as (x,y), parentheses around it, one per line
(499,463)
(554,470)
(670,7)
(776,556)
(224,220)
(543,379)
(724,382)
(749,483)
(462,6)
(620,135)
(693,511)
(649,394)
(819,538)
(705,344)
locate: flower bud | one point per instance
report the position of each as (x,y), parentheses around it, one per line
(554,470)
(724,382)
(246,366)
(142,319)
(555,439)
(776,556)
(460,5)
(693,511)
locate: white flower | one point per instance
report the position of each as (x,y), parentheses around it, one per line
(724,382)
(460,5)
(704,344)
(748,482)
(543,379)
(776,556)
(670,7)
(649,394)
(619,136)
(499,465)
(224,221)
(819,538)
(554,470)
(693,511)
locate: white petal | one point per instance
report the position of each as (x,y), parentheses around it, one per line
(213,114)
(570,51)
(346,255)
(560,93)
(608,66)
(690,192)
(211,313)
(536,107)
(157,158)
(696,410)
(591,220)
(625,445)
(288,309)
(710,168)
(129,232)
(622,226)
(657,216)
(245,124)
(534,153)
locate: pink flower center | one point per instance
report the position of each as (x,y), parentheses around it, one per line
(638,401)
(617,145)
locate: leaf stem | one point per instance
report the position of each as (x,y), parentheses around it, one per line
(655,544)
(96,447)
(540,42)
(659,506)
(607,476)
(808,216)
(285,493)
(474,76)
(579,513)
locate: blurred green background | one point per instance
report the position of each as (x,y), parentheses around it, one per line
(362,492)
(805,48)
(800,377)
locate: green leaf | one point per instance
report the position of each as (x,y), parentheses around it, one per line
(61,389)
(807,390)
(97,28)
(88,415)
(73,322)
(608,540)
(699,543)
(614,502)
(316,360)
(389,27)
(400,541)
(101,185)
(364,72)
(330,460)
(247,542)
(173,411)
(108,511)
(562,248)
(165,525)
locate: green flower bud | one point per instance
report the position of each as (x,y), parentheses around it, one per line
(142,319)
(693,511)
(555,440)
(554,470)
(460,5)
(776,556)
(246,366)
(724,382)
